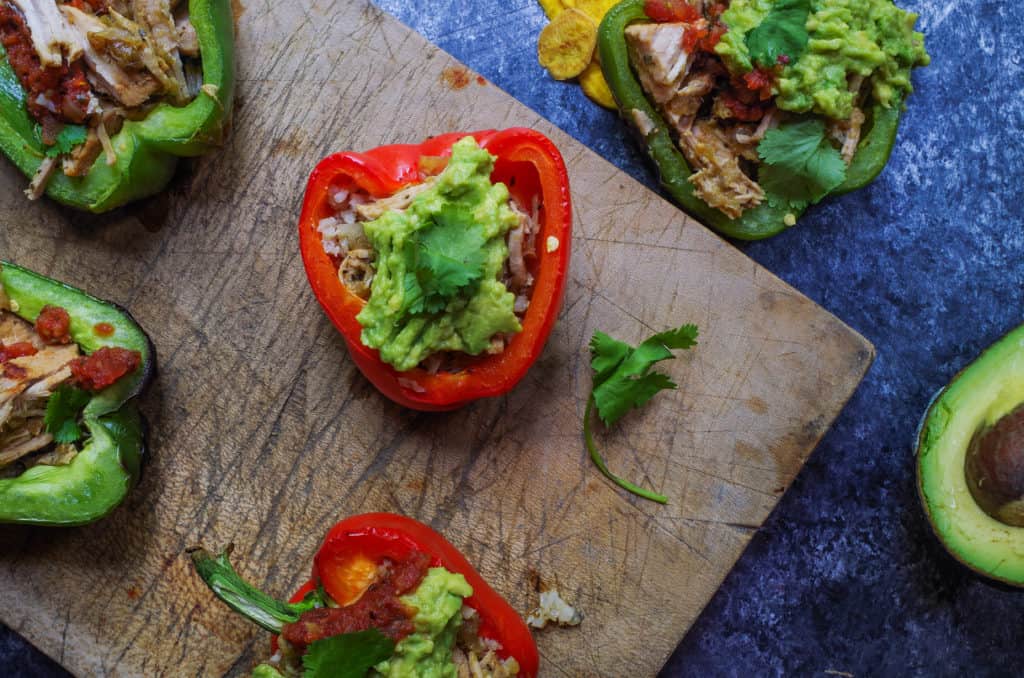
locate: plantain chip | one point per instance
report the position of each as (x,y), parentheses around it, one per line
(595,9)
(566,45)
(595,86)
(552,8)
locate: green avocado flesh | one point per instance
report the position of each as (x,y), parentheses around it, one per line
(420,253)
(984,392)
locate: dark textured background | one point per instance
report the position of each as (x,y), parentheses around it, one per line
(845,578)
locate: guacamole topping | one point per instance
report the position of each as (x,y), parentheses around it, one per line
(427,653)
(436,285)
(871,38)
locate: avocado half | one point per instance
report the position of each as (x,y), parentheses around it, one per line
(978,397)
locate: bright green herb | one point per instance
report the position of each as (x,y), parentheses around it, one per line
(783,32)
(801,166)
(448,257)
(349,655)
(623,380)
(68,138)
(62,410)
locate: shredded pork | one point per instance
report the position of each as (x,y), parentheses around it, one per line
(134,53)
(26,384)
(718,180)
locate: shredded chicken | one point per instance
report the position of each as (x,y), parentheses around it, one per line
(157,23)
(25,386)
(130,88)
(665,71)
(356,271)
(719,181)
(51,36)
(399,201)
(37,186)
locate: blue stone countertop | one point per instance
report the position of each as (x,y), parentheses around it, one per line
(845,578)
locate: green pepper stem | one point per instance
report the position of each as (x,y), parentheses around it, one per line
(242,597)
(599,461)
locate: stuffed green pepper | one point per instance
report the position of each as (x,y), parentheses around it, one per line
(99,98)
(752,110)
(71,366)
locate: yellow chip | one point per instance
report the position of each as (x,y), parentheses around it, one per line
(566,45)
(552,7)
(594,86)
(595,9)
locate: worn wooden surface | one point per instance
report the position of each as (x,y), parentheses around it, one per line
(263,433)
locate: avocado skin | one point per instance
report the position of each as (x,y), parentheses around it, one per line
(977,397)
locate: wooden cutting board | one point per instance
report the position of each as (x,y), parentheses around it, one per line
(264,434)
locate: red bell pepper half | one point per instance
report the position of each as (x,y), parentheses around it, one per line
(529,164)
(345,565)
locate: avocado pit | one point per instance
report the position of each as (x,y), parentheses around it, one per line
(994,467)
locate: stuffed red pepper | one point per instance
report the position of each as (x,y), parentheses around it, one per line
(443,264)
(388,596)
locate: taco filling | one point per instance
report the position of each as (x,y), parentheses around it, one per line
(45,383)
(87,66)
(446,266)
(767,99)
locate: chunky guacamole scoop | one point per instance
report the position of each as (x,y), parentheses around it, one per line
(437,264)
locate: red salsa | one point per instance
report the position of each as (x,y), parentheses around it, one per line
(103,330)
(103,368)
(17,350)
(53,325)
(378,608)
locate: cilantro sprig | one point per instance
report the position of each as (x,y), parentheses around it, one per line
(69,137)
(800,166)
(782,33)
(62,410)
(623,380)
(349,655)
(446,257)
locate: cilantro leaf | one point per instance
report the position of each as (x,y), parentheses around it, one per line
(62,410)
(801,166)
(783,32)
(447,256)
(68,138)
(623,380)
(349,655)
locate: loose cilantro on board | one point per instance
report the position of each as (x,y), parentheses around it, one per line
(447,256)
(801,166)
(62,410)
(349,655)
(623,380)
(782,33)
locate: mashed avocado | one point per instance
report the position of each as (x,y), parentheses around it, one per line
(436,285)
(871,38)
(266,671)
(427,652)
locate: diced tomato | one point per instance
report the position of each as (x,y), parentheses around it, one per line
(16,350)
(104,367)
(53,325)
(666,11)
(742,111)
(759,80)
(12,371)
(702,37)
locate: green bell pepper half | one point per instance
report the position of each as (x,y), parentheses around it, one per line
(148,149)
(877,138)
(108,465)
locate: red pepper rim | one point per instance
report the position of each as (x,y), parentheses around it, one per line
(395,536)
(382,172)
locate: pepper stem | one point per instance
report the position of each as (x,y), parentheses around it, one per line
(242,597)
